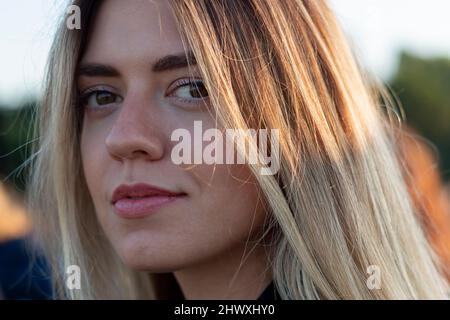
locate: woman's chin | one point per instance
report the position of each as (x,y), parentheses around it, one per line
(147,259)
(155,265)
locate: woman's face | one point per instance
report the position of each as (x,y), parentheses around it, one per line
(131,109)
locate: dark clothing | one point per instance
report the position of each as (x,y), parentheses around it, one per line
(22,277)
(270,293)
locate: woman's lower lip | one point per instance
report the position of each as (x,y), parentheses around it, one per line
(141,207)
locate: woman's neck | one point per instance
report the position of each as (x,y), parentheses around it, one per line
(230,276)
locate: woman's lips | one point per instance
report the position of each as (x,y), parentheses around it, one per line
(141,199)
(140,207)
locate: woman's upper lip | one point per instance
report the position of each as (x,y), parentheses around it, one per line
(141,190)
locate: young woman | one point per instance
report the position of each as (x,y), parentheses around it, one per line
(334,222)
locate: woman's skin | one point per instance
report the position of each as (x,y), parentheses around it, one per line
(201,237)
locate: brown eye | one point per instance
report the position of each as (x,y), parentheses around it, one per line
(198,90)
(191,90)
(100,98)
(104,97)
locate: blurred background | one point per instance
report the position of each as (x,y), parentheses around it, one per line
(405,43)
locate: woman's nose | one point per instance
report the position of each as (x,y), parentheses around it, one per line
(135,134)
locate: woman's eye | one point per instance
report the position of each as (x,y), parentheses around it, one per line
(190,90)
(100,98)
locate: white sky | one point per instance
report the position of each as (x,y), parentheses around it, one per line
(378,30)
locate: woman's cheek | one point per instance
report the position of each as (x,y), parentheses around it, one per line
(92,161)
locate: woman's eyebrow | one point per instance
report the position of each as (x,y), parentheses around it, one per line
(96,70)
(170,62)
(166,63)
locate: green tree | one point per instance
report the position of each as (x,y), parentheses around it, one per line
(15,136)
(423,88)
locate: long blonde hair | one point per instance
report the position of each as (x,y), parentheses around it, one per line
(339,203)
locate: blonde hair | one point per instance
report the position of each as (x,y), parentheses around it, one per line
(339,203)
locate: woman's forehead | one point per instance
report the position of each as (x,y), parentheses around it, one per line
(133,30)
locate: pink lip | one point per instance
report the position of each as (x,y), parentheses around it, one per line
(139,200)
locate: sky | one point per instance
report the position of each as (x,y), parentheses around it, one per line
(377,29)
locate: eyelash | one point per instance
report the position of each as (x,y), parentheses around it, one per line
(87,94)
(183,83)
